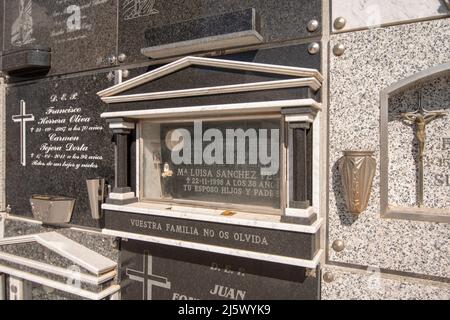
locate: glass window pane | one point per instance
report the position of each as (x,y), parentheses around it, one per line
(234,162)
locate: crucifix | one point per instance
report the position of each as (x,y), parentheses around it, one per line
(421,118)
(23,118)
(147,277)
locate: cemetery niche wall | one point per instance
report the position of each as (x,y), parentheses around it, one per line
(425,157)
(250,210)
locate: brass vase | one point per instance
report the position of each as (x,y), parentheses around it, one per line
(357,169)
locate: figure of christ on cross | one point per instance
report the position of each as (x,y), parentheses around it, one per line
(23,118)
(421,118)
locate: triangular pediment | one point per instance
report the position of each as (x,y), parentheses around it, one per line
(51,245)
(258,77)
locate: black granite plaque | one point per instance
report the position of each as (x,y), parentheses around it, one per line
(80,33)
(231,22)
(280,19)
(156,272)
(27,61)
(55,141)
(272,241)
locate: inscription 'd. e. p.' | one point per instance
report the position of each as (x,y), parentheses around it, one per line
(60,130)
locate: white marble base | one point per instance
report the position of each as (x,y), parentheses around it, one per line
(211,215)
(122,196)
(299,213)
(362,14)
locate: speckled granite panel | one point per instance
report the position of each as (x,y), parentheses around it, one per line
(41,254)
(97,242)
(404,147)
(40,292)
(373,60)
(370,285)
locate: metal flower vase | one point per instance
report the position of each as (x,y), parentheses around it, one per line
(357,169)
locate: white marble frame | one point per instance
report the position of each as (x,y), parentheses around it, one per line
(209,62)
(426,214)
(304,78)
(315,121)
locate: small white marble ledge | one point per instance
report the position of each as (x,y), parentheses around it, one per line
(210,215)
(312,264)
(2,224)
(219,109)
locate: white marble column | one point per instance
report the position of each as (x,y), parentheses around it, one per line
(19,289)
(2,287)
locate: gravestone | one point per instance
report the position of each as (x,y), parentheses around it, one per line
(55,141)
(280,20)
(71,29)
(156,272)
(405,147)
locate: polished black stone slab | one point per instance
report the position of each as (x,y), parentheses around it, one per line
(230,22)
(277,242)
(80,33)
(26,61)
(280,19)
(66,142)
(224,181)
(232,98)
(157,272)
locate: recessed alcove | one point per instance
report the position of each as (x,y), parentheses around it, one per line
(404,193)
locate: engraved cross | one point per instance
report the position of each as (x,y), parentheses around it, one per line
(23,118)
(147,277)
